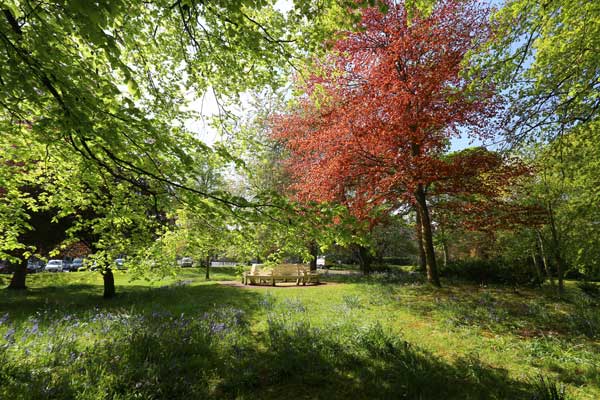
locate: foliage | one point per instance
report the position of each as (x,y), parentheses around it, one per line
(568,186)
(374,119)
(404,84)
(95,102)
(545,55)
(494,271)
(590,288)
(547,389)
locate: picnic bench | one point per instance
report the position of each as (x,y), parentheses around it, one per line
(300,273)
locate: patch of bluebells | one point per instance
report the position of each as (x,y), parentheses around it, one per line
(161,314)
(294,305)
(217,328)
(3,318)
(186,282)
(267,302)
(9,336)
(484,310)
(230,314)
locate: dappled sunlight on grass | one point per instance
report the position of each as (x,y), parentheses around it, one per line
(384,336)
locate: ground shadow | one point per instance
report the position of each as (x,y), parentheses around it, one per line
(206,347)
(199,341)
(79,299)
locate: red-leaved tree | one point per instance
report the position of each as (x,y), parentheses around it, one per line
(380,109)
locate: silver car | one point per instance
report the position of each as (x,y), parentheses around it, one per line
(54,266)
(187,262)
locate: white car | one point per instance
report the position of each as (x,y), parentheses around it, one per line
(187,262)
(120,263)
(54,266)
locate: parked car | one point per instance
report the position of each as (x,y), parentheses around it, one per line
(5,268)
(76,264)
(187,262)
(88,266)
(120,263)
(34,265)
(54,266)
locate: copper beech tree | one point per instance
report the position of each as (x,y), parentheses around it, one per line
(377,113)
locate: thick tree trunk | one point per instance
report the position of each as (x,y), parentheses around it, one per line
(364,260)
(313,247)
(109,284)
(420,245)
(19,277)
(423,210)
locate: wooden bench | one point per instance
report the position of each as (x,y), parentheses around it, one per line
(283,272)
(309,276)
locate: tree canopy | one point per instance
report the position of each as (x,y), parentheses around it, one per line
(95,97)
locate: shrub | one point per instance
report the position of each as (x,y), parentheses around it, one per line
(399,260)
(589,288)
(491,271)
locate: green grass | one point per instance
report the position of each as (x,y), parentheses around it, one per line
(385,336)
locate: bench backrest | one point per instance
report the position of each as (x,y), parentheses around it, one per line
(260,270)
(288,269)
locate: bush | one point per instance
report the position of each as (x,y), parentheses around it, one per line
(590,288)
(491,271)
(399,260)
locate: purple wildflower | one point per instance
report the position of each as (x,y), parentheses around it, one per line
(217,327)
(8,336)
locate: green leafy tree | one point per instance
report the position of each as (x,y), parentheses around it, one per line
(546,57)
(94,100)
(567,187)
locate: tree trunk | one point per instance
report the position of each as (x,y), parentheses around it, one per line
(445,250)
(446,253)
(421,247)
(207,276)
(544,259)
(313,247)
(109,284)
(364,260)
(538,267)
(18,279)
(560,264)
(427,234)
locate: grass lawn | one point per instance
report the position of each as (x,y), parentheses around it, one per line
(386,336)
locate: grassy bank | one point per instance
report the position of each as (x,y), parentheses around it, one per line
(387,336)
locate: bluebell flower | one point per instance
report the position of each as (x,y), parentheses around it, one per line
(217,327)
(8,336)
(3,318)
